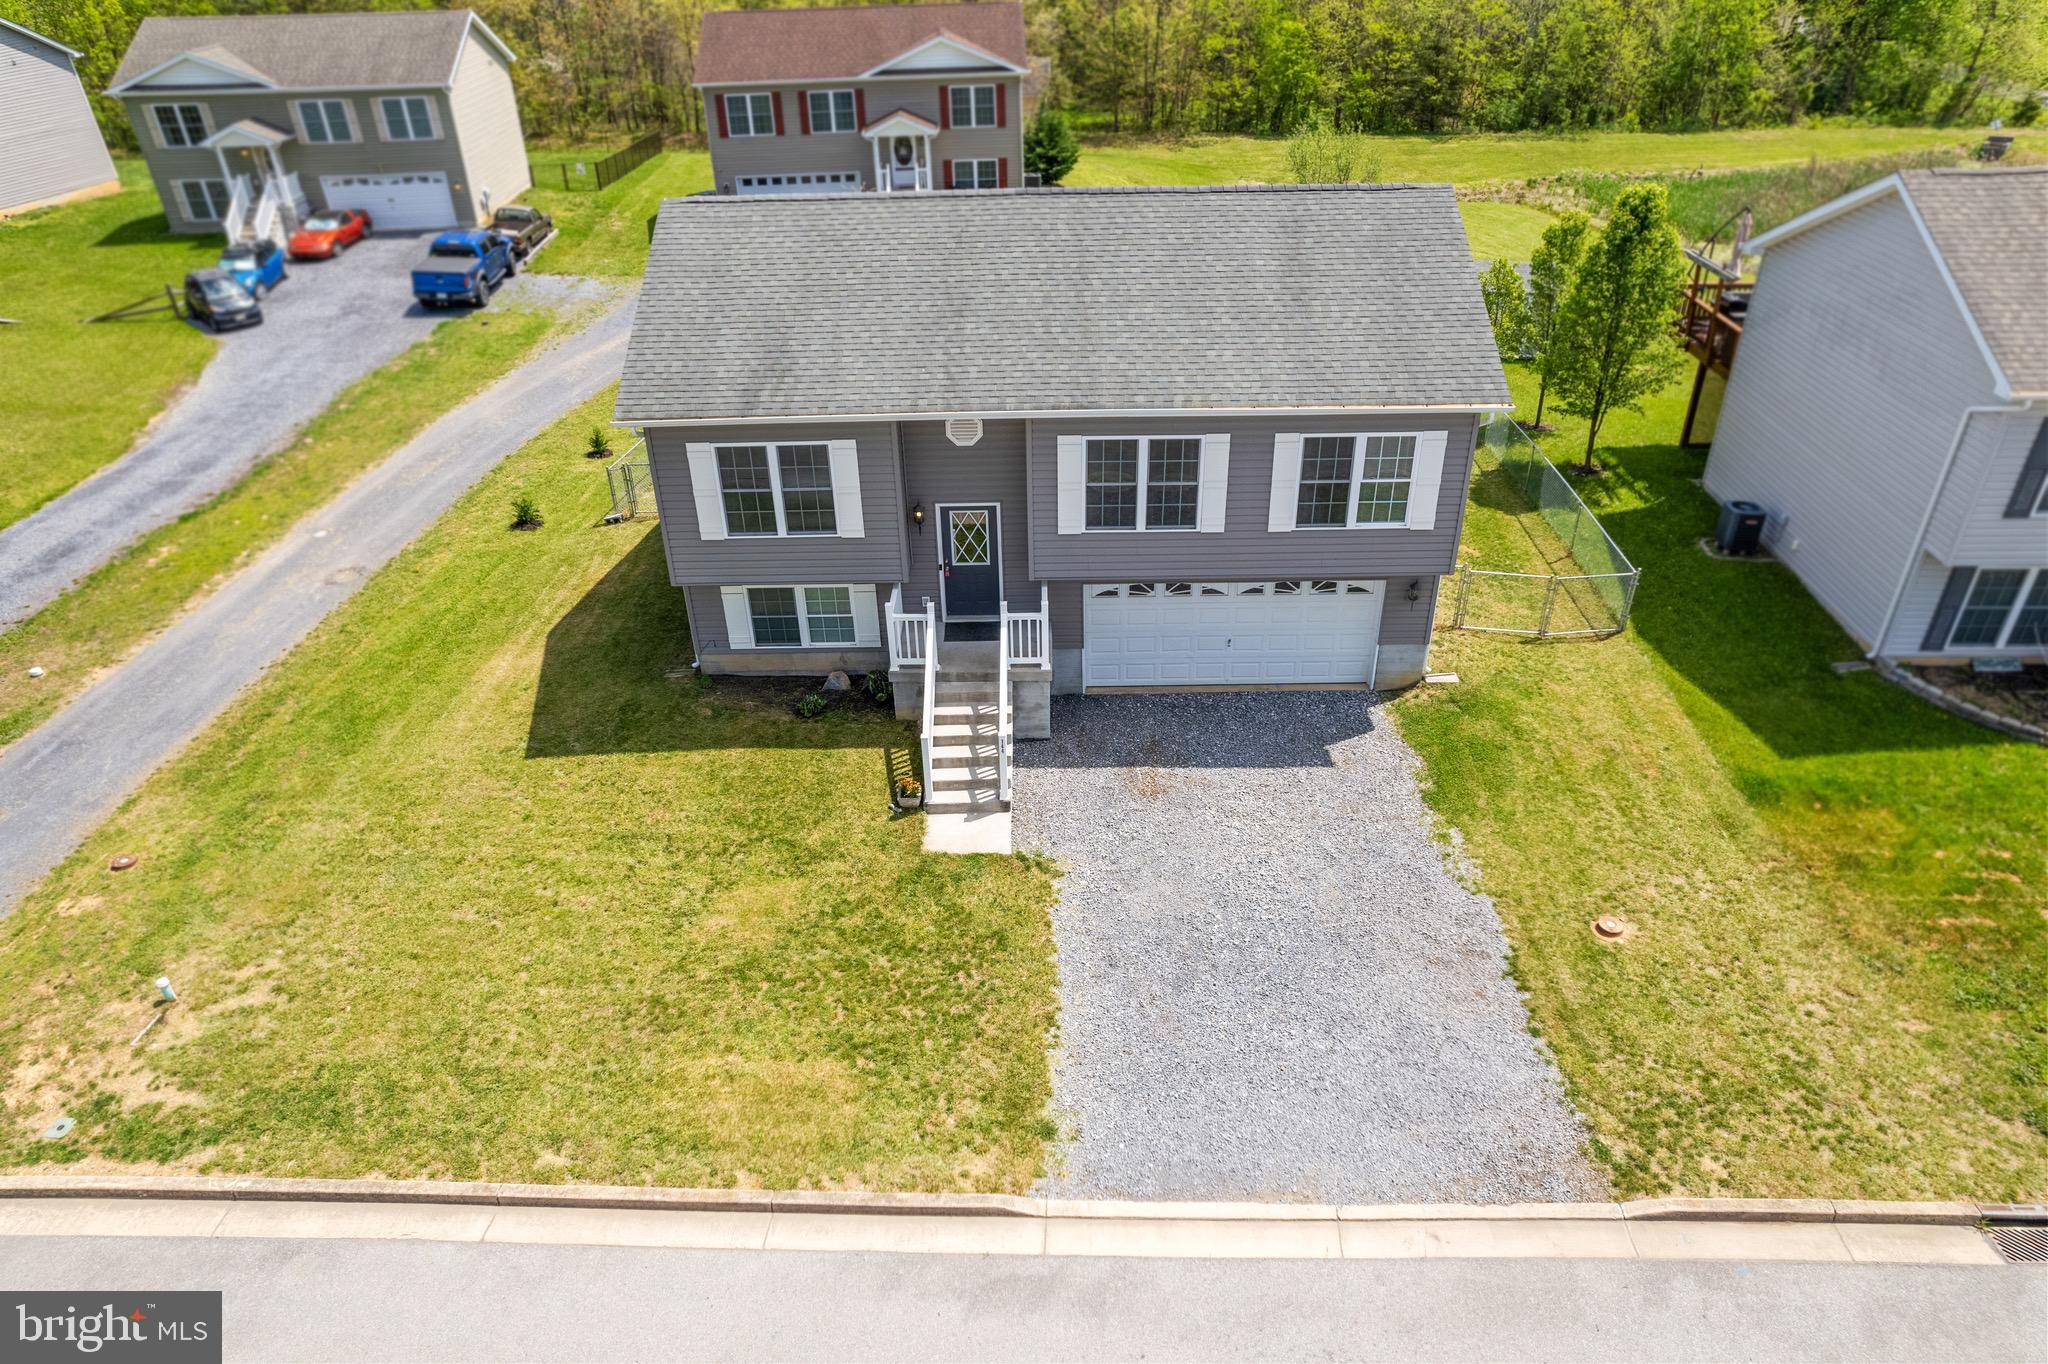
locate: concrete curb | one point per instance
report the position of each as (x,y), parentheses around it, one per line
(1820,1210)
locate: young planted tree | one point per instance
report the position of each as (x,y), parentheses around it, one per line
(1050,147)
(1612,343)
(1507,307)
(1552,268)
(1318,154)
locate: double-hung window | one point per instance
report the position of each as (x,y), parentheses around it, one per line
(2006,608)
(751,115)
(777,489)
(974,106)
(325,120)
(408,118)
(798,617)
(180,125)
(206,201)
(832,111)
(979,173)
(1143,483)
(1354,480)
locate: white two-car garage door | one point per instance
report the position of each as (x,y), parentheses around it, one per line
(413,200)
(1187,634)
(800,182)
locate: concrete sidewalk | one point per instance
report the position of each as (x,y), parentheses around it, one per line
(65,776)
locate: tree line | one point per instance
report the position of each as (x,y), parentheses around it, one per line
(598,68)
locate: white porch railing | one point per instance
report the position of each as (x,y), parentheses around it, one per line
(236,218)
(294,194)
(263,226)
(909,634)
(931,693)
(1004,728)
(1027,635)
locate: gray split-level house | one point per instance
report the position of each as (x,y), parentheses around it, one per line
(409,115)
(891,97)
(1888,409)
(1160,437)
(51,151)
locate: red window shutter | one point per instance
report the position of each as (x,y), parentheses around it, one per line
(778,113)
(949,175)
(803,112)
(1003,172)
(945,106)
(718,102)
(1002,107)
(860,107)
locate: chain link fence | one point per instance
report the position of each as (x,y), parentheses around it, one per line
(1587,585)
(632,484)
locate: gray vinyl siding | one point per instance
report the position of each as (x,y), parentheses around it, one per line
(1916,609)
(49,145)
(487,127)
(937,471)
(877,556)
(367,155)
(1970,525)
(1855,368)
(795,152)
(707,621)
(1408,622)
(1245,550)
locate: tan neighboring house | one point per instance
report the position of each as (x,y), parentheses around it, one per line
(891,97)
(251,121)
(50,147)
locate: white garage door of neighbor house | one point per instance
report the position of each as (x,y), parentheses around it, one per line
(1188,634)
(806,182)
(417,199)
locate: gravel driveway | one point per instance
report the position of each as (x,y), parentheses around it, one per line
(328,324)
(1272,984)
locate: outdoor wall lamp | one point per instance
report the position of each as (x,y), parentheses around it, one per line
(917,515)
(1415,589)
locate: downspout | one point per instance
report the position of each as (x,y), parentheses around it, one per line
(1948,467)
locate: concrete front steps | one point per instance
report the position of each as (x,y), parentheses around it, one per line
(964,744)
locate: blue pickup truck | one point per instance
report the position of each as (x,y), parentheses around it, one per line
(462,267)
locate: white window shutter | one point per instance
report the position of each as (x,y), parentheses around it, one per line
(1215,484)
(846,508)
(739,621)
(867,627)
(704,485)
(1286,481)
(1073,485)
(1427,479)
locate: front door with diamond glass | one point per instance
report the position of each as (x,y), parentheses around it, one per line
(970,571)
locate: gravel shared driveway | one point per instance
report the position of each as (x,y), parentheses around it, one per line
(1272,985)
(328,324)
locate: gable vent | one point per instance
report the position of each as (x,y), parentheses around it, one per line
(963,430)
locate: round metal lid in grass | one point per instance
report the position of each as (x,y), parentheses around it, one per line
(122,862)
(1610,928)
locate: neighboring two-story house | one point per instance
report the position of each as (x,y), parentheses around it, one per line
(889,97)
(1888,409)
(1048,411)
(408,115)
(51,151)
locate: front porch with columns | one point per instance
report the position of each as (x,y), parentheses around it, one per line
(901,146)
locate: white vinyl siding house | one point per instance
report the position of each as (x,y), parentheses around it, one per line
(1886,403)
(50,145)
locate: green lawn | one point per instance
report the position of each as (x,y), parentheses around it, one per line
(1487,158)
(1838,979)
(74,397)
(467,888)
(605,232)
(98,622)
(1503,231)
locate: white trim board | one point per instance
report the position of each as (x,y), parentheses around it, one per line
(27,32)
(939,39)
(1056,413)
(787,82)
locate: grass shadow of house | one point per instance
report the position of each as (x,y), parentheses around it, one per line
(615,678)
(1751,638)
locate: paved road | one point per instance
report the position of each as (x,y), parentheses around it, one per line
(329,324)
(1272,985)
(405,1300)
(59,781)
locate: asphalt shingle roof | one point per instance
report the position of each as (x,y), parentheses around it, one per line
(836,44)
(1059,300)
(1991,227)
(301,51)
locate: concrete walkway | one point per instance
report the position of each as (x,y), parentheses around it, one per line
(69,773)
(328,324)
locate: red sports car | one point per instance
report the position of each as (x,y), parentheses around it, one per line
(328,234)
